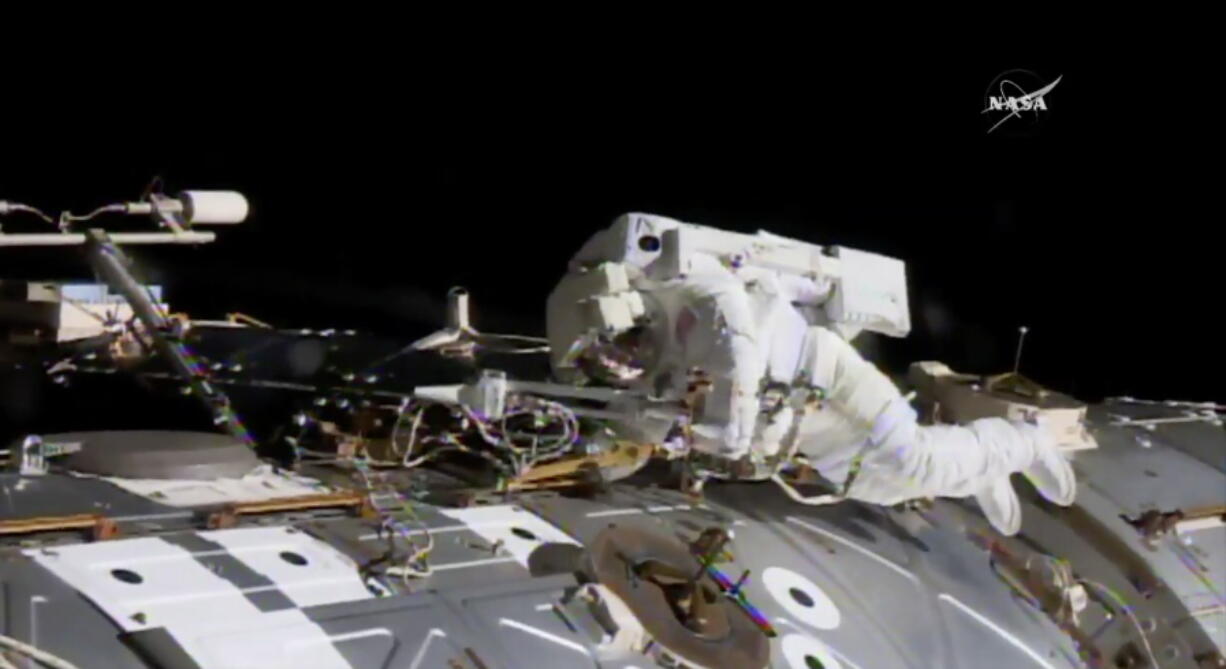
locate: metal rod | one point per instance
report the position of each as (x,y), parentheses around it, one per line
(77,239)
(562,390)
(1142,422)
(1021,339)
(110,264)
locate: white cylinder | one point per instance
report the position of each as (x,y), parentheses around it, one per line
(457,309)
(214,206)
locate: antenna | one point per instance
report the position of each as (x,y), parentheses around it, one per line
(459,337)
(458,333)
(1021,339)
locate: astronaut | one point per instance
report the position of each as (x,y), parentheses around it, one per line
(763,323)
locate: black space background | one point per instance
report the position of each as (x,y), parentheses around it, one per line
(373,192)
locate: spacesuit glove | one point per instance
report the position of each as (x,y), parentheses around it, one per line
(1048,470)
(1001,507)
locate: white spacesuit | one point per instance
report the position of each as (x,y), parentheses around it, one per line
(655,305)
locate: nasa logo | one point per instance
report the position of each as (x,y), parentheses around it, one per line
(1014,93)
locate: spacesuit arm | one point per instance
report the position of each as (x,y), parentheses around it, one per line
(890,458)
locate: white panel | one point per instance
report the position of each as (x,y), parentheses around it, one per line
(327,577)
(174,588)
(208,615)
(498,524)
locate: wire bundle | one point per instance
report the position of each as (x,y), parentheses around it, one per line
(531,431)
(415,563)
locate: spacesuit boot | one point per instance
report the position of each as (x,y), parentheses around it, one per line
(871,440)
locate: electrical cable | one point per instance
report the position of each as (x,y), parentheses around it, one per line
(16,206)
(34,653)
(1149,651)
(110,208)
(542,344)
(415,564)
(408,449)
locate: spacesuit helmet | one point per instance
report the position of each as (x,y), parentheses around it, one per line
(616,358)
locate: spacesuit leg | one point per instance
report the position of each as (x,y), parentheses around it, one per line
(895,459)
